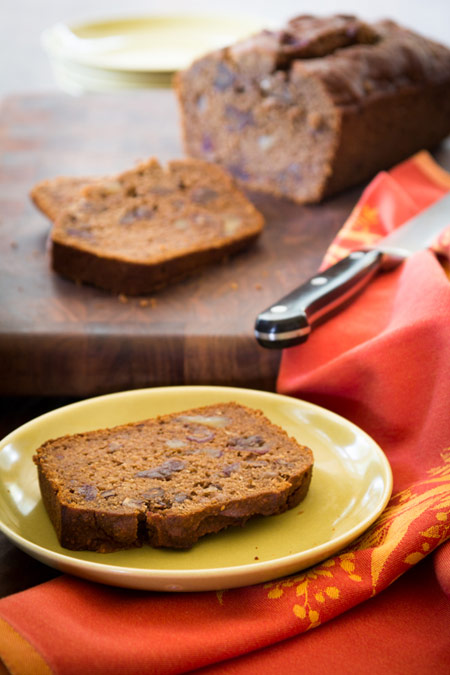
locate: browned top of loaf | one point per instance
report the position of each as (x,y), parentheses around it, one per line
(399,59)
(150,213)
(353,59)
(174,464)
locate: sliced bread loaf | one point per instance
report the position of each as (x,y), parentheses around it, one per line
(170,480)
(147,227)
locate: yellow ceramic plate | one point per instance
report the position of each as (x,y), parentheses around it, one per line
(351,485)
(145,43)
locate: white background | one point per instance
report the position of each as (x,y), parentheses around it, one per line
(25,67)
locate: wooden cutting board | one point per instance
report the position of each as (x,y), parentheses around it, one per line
(58,338)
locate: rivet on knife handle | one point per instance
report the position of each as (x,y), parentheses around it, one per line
(289,321)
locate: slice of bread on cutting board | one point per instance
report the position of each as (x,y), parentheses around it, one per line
(147,227)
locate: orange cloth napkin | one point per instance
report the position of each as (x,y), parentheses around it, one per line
(384,363)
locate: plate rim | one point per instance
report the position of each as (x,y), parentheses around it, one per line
(52,39)
(189,575)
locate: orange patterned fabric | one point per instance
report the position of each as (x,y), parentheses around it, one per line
(18,655)
(382,605)
(389,200)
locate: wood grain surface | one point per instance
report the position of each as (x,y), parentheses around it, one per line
(61,339)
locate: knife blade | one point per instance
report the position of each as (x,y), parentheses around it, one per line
(289,321)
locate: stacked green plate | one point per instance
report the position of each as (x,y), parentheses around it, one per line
(136,52)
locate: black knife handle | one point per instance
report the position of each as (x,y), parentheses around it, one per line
(289,321)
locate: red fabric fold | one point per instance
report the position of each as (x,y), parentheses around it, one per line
(397,363)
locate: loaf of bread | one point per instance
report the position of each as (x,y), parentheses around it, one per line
(318,106)
(147,227)
(169,480)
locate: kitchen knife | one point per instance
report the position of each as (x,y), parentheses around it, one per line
(289,321)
